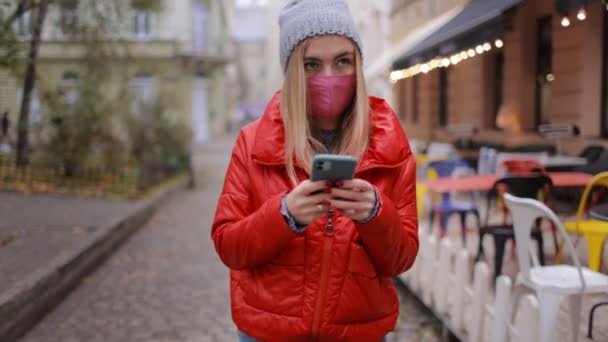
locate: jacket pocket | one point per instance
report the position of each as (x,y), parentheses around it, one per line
(278,287)
(364,297)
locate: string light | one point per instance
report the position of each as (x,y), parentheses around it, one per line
(582,14)
(398,75)
(443,62)
(565,22)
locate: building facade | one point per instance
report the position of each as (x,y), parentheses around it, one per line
(274,74)
(250,37)
(374,27)
(179,49)
(544,60)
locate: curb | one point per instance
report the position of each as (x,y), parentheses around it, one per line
(24,304)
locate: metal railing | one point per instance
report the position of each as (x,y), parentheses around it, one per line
(128,182)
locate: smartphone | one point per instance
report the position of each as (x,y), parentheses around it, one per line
(332,167)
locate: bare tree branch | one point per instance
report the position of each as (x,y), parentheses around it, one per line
(28,86)
(22,7)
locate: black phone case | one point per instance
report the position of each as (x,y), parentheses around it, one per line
(332,167)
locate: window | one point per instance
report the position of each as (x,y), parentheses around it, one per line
(200,27)
(69,87)
(415,103)
(443,97)
(544,73)
(6,96)
(430,8)
(141,24)
(243,3)
(24,25)
(401,99)
(144,92)
(68,18)
(499,62)
(36,115)
(251,3)
(4,10)
(605,97)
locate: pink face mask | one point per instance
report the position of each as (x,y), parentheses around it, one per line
(329,96)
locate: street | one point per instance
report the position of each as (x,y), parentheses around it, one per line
(166,283)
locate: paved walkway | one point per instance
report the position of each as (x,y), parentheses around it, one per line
(167,283)
(35,229)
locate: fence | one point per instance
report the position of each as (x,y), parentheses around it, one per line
(441,278)
(124,182)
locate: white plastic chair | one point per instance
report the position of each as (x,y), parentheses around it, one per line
(551,283)
(525,327)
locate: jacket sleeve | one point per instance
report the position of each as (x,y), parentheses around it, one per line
(245,236)
(391,238)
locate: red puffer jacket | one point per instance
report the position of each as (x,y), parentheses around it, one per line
(312,287)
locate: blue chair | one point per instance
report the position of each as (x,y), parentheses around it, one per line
(447,207)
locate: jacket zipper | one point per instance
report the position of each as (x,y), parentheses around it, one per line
(328,231)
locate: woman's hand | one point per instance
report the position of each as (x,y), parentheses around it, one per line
(355,199)
(304,205)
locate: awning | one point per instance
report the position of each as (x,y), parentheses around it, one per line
(480,21)
(385,60)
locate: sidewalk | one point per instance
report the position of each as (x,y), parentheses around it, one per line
(35,229)
(49,242)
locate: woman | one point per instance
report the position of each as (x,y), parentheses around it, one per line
(312,260)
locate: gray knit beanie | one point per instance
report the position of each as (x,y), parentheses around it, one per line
(301,19)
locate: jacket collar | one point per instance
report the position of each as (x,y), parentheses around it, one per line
(388,146)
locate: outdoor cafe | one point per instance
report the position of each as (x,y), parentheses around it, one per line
(463,201)
(505,107)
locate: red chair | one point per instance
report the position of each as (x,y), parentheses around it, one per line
(523,166)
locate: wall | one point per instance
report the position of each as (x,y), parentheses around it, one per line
(406,15)
(253,68)
(577,65)
(428,105)
(274,74)
(587,109)
(576,90)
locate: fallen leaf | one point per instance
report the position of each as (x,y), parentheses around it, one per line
(6,239)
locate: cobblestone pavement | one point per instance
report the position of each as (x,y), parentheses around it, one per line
(167,284)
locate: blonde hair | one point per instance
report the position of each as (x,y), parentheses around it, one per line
(300,145)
